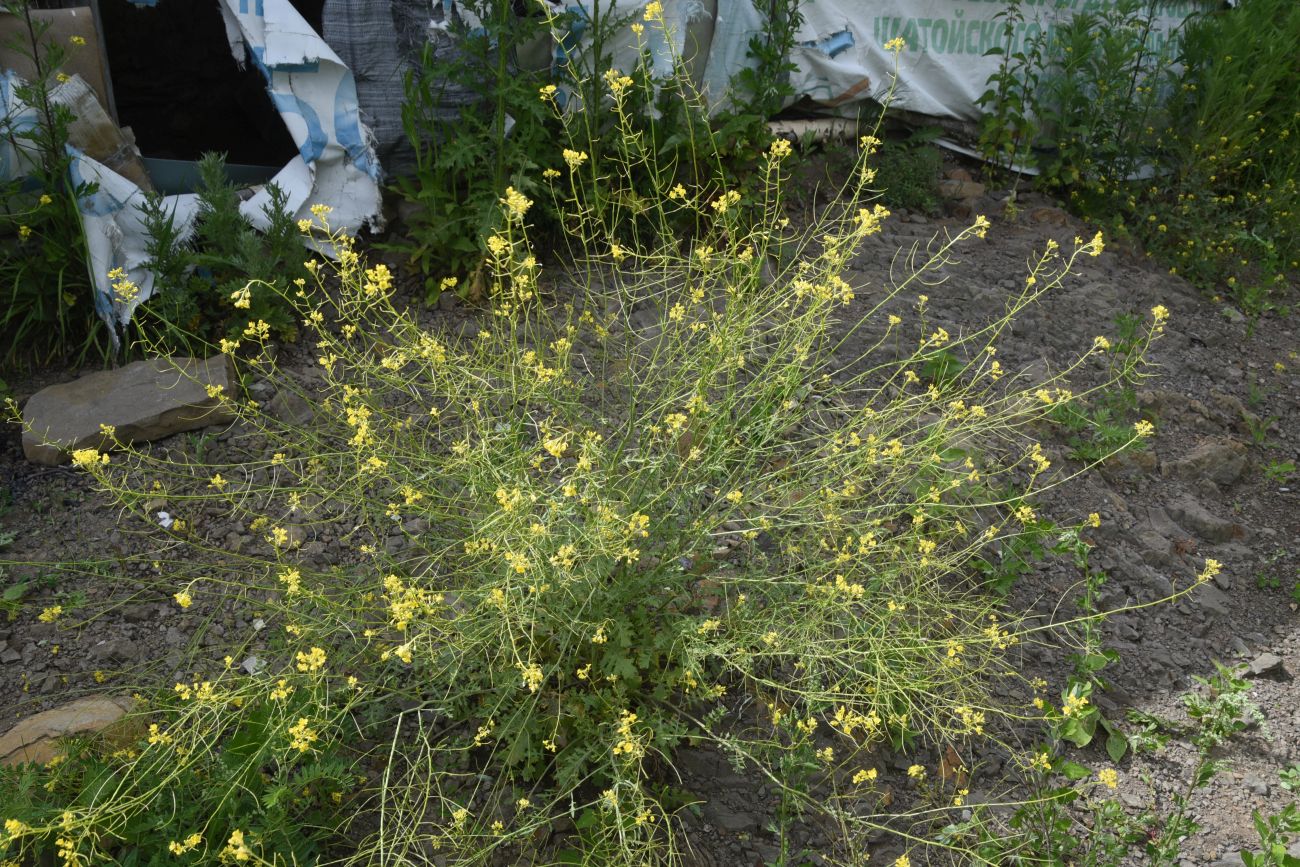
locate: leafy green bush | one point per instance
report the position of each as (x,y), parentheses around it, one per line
(1188,145)
(1225,217)
(476,124)
(195,281)
(907,172)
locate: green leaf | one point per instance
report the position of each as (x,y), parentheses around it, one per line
(1116,744)
(1072,770)
(1079,730)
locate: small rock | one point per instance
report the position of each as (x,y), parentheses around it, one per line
(1128,465)
(950,188)
(35,739)
(722,816)
(1211,599)
(1048,216)
(1200,521)
(115,650)
(1267,664)
(145,400)
(290,408)
(1221,460)
(138,613)
(9,655)
(1256,786)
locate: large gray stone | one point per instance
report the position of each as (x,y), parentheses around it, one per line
(144,401)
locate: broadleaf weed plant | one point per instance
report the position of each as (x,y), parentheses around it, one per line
(635,505)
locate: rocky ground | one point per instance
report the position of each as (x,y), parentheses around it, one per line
(1214,482)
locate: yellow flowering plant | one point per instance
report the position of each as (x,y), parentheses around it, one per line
(645,492)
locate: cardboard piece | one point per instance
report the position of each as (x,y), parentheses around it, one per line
(86,61)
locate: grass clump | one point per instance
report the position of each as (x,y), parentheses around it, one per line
(645,502)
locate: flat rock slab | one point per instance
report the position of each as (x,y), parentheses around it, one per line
(36,739)
(146,400)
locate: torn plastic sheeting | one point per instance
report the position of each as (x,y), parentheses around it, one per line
(314,92)
(113,221)
(841,57)
(110,217)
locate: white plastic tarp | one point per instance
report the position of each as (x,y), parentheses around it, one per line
(314,93)
(841,60)
(943,70)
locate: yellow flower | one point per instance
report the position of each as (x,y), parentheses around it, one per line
(312,660)
(1109,778)
(654,11)
(51,614)
(1100,343)
(301,737)
(77,40)
(516,202)
(916,772)
(217,482)
(865,776)
(902,861)
(574,158)
(1094,520)
(45,200)
(183,599)
(236,848)
(548,92)
(1212,567)
(1160,313)
(24,232)
(1143,428)
(1074,704)
(896,44)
